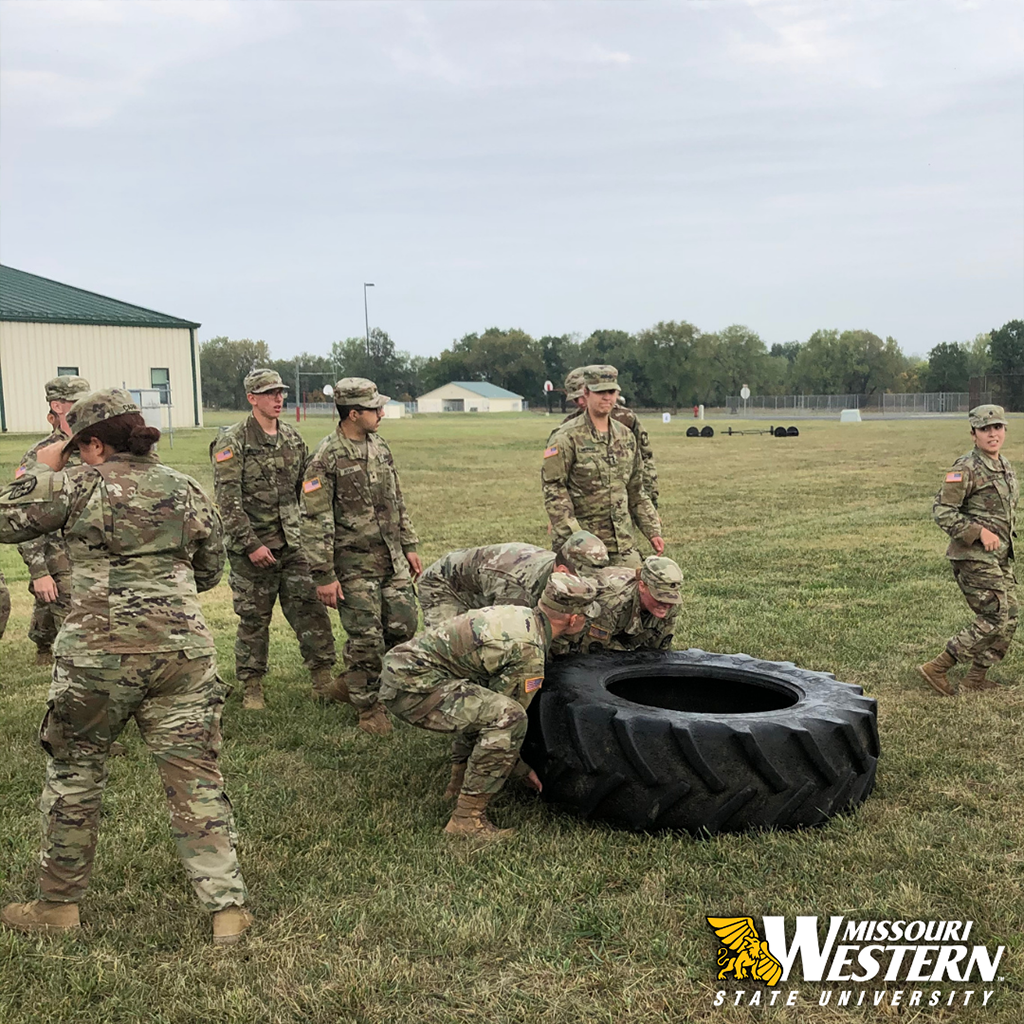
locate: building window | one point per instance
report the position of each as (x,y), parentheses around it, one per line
(160,379)
(67,371)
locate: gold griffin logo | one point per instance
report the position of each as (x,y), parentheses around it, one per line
(744,954)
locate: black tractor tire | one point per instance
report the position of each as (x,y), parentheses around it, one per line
(781,432)
(707,432)
(700,742)
(692,432)
(792,432)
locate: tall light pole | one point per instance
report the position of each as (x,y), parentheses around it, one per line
(366,313)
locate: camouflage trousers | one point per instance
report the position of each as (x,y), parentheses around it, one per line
(48,617)
(488,727)
(254,591)
(377,614)
(441,602)
(631,558)
(176,700)
(991,591)
(5,604)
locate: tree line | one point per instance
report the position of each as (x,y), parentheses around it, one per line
(672,364)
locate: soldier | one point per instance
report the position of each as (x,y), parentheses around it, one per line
(359,537)
(144,540)
(502,574)
(5,604)
(639,608)
(474,676)
(977,507)
(257,472)
(592,476)
(625,416)
(47,557)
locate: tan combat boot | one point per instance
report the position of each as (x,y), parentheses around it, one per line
(44,656)
(934,673)
(374,720)
(976,679)
(252,699)
(230,924)
(470,820)
(322,683)
(41,916)
(458,777)
(336,689)
(117,750)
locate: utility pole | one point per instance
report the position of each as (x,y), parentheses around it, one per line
(366,314)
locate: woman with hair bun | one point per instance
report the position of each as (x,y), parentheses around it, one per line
(144,541)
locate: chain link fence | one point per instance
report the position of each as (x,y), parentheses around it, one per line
(793,403)
(1005,389)
(928,404)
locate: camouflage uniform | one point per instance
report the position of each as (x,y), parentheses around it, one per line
(625,416)
(355,529)
(257,478)
(48,556)
(474,676)
(623,624)
(143,539)
(979,492)
(593,481)
(5,604)
(500,574)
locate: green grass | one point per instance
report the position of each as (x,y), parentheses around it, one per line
(819,550)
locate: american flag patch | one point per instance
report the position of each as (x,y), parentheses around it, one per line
(954,478)
(533,684)
(311,485)
(548,452)
(597,633)
(223,455)
(20,472)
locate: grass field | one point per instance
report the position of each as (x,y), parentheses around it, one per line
(819,550)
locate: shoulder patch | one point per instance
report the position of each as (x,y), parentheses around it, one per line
(548,452)
(598,633)
(530,685)
(954,478)
(20,472)
(224,454)
(311,485)
(20,489)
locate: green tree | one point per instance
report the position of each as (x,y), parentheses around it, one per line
(1006,346)
(511,359)
(738,356)
(678,363)
(316,370)
(848,363)
(223,364)
(623,351)
(979,358)
(392,371)
(947,367)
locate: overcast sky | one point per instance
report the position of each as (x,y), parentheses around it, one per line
(555,166)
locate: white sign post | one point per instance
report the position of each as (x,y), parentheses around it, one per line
(745,395)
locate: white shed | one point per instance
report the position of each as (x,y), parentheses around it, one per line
(394,410)
(470,396)
(48,328)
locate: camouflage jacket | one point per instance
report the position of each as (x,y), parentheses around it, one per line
(592,482)
(631,422)
(5,604)
(256,479)
(493,574)
(976,493)
(501,648)
(48,555)
(143,539)
(623,624)
(354,521)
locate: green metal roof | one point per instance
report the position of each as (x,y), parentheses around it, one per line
(485,389)
(34,299)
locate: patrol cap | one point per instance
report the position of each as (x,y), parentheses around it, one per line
(258,382)
(574,384)
(585,551)
(67,389)
(986,415)
(663,578)
(96,407)
(359,391)
(601,377)
(570,595)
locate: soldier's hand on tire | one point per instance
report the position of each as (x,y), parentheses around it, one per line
(989,541)
(658,543)
(45,588)
(533,781)
(330,595)
(263,558)
(415,564)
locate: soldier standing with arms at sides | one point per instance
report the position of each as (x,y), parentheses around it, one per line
(361,544)
(474,676)
(144,540)
(47,557)
(502,574)
(592,476)
(257,473)
(977,507)
(625,416)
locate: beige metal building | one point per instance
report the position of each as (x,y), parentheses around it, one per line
(469,396)
(48,328)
